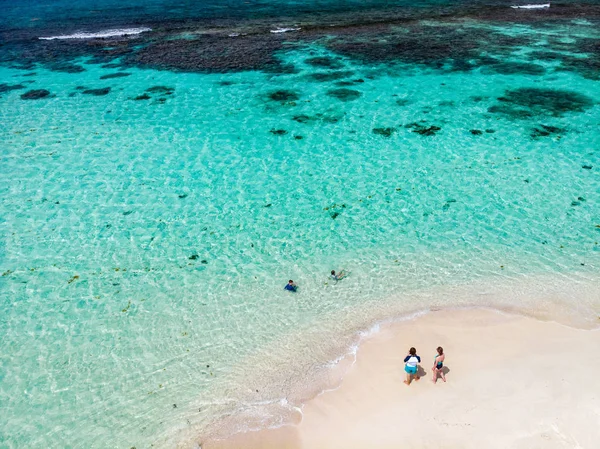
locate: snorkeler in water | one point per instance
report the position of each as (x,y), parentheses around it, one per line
(291,286)
(338,276)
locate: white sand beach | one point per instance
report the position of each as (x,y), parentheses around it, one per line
(512,382)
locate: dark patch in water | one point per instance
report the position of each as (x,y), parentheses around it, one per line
(35,94)
(323,77)
(422,129)
(448,104)
(111,65)
(142,97)
(587,167)
(301,118)
(344,94)
(530,101)
(385,132)
(476,132)
(163,90)
(97,92)
(278,132)
(490,131)
(65,67)
(545,131)
(284,95)
(402,101)
(325,62)
(515,68)
(115,75)
(298,137)
(8,87)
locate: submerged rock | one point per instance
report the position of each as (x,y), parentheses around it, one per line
(278,132)
(423,130)
(545,131)
(344,94)
(8,87)
(530,101)
(97,92)
(284,95)
(35,94)
(163,90)
(325,62)
(115,75)
(385,132)
(323,77)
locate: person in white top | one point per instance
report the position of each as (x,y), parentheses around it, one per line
(411,367)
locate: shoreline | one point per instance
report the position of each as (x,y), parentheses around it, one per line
(370,406)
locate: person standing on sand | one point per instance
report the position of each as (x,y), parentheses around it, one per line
(412,361)
(438,365)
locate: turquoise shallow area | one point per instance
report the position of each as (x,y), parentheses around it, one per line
(145,243)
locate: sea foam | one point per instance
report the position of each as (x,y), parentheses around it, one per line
(540,6)
(100,34)
(285,30)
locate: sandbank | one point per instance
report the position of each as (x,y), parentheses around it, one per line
(512,382)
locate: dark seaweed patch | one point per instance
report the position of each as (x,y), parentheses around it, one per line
(278,132)
(515,68)
(115,75)
(587,167)
(529,101)
(142,97)
(284,95)
(476,132)
(323,77)
(35,94)
(402,101)
(97,92)
(545,131)
(344,94)
(325,62)
(422,129)
(162,90)
(385,132)
(65,67)
(8,87)
(301,118)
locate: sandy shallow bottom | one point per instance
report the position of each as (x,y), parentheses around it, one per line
(512,382)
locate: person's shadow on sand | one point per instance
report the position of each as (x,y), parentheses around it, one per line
(421,372)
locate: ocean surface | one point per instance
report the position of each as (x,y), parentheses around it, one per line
(165,168)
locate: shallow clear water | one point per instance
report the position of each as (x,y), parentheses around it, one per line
(145,242)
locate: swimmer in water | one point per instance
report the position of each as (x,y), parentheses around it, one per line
(291,286)
(338,276)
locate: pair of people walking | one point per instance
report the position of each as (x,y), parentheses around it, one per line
(412,361)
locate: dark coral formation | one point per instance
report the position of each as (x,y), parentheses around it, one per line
(385,132)
(283,95)
(423,129)
(532,101)
(343,94)
(35,94)
(9,87)
(545,131)
(278,132)
(515,68)
(115,75)
(323,77)
(97,92)
(325,62)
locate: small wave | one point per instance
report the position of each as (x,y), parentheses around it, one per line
(284,30)
(100,34)
(540,6)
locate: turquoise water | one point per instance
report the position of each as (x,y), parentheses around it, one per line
(147,233)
